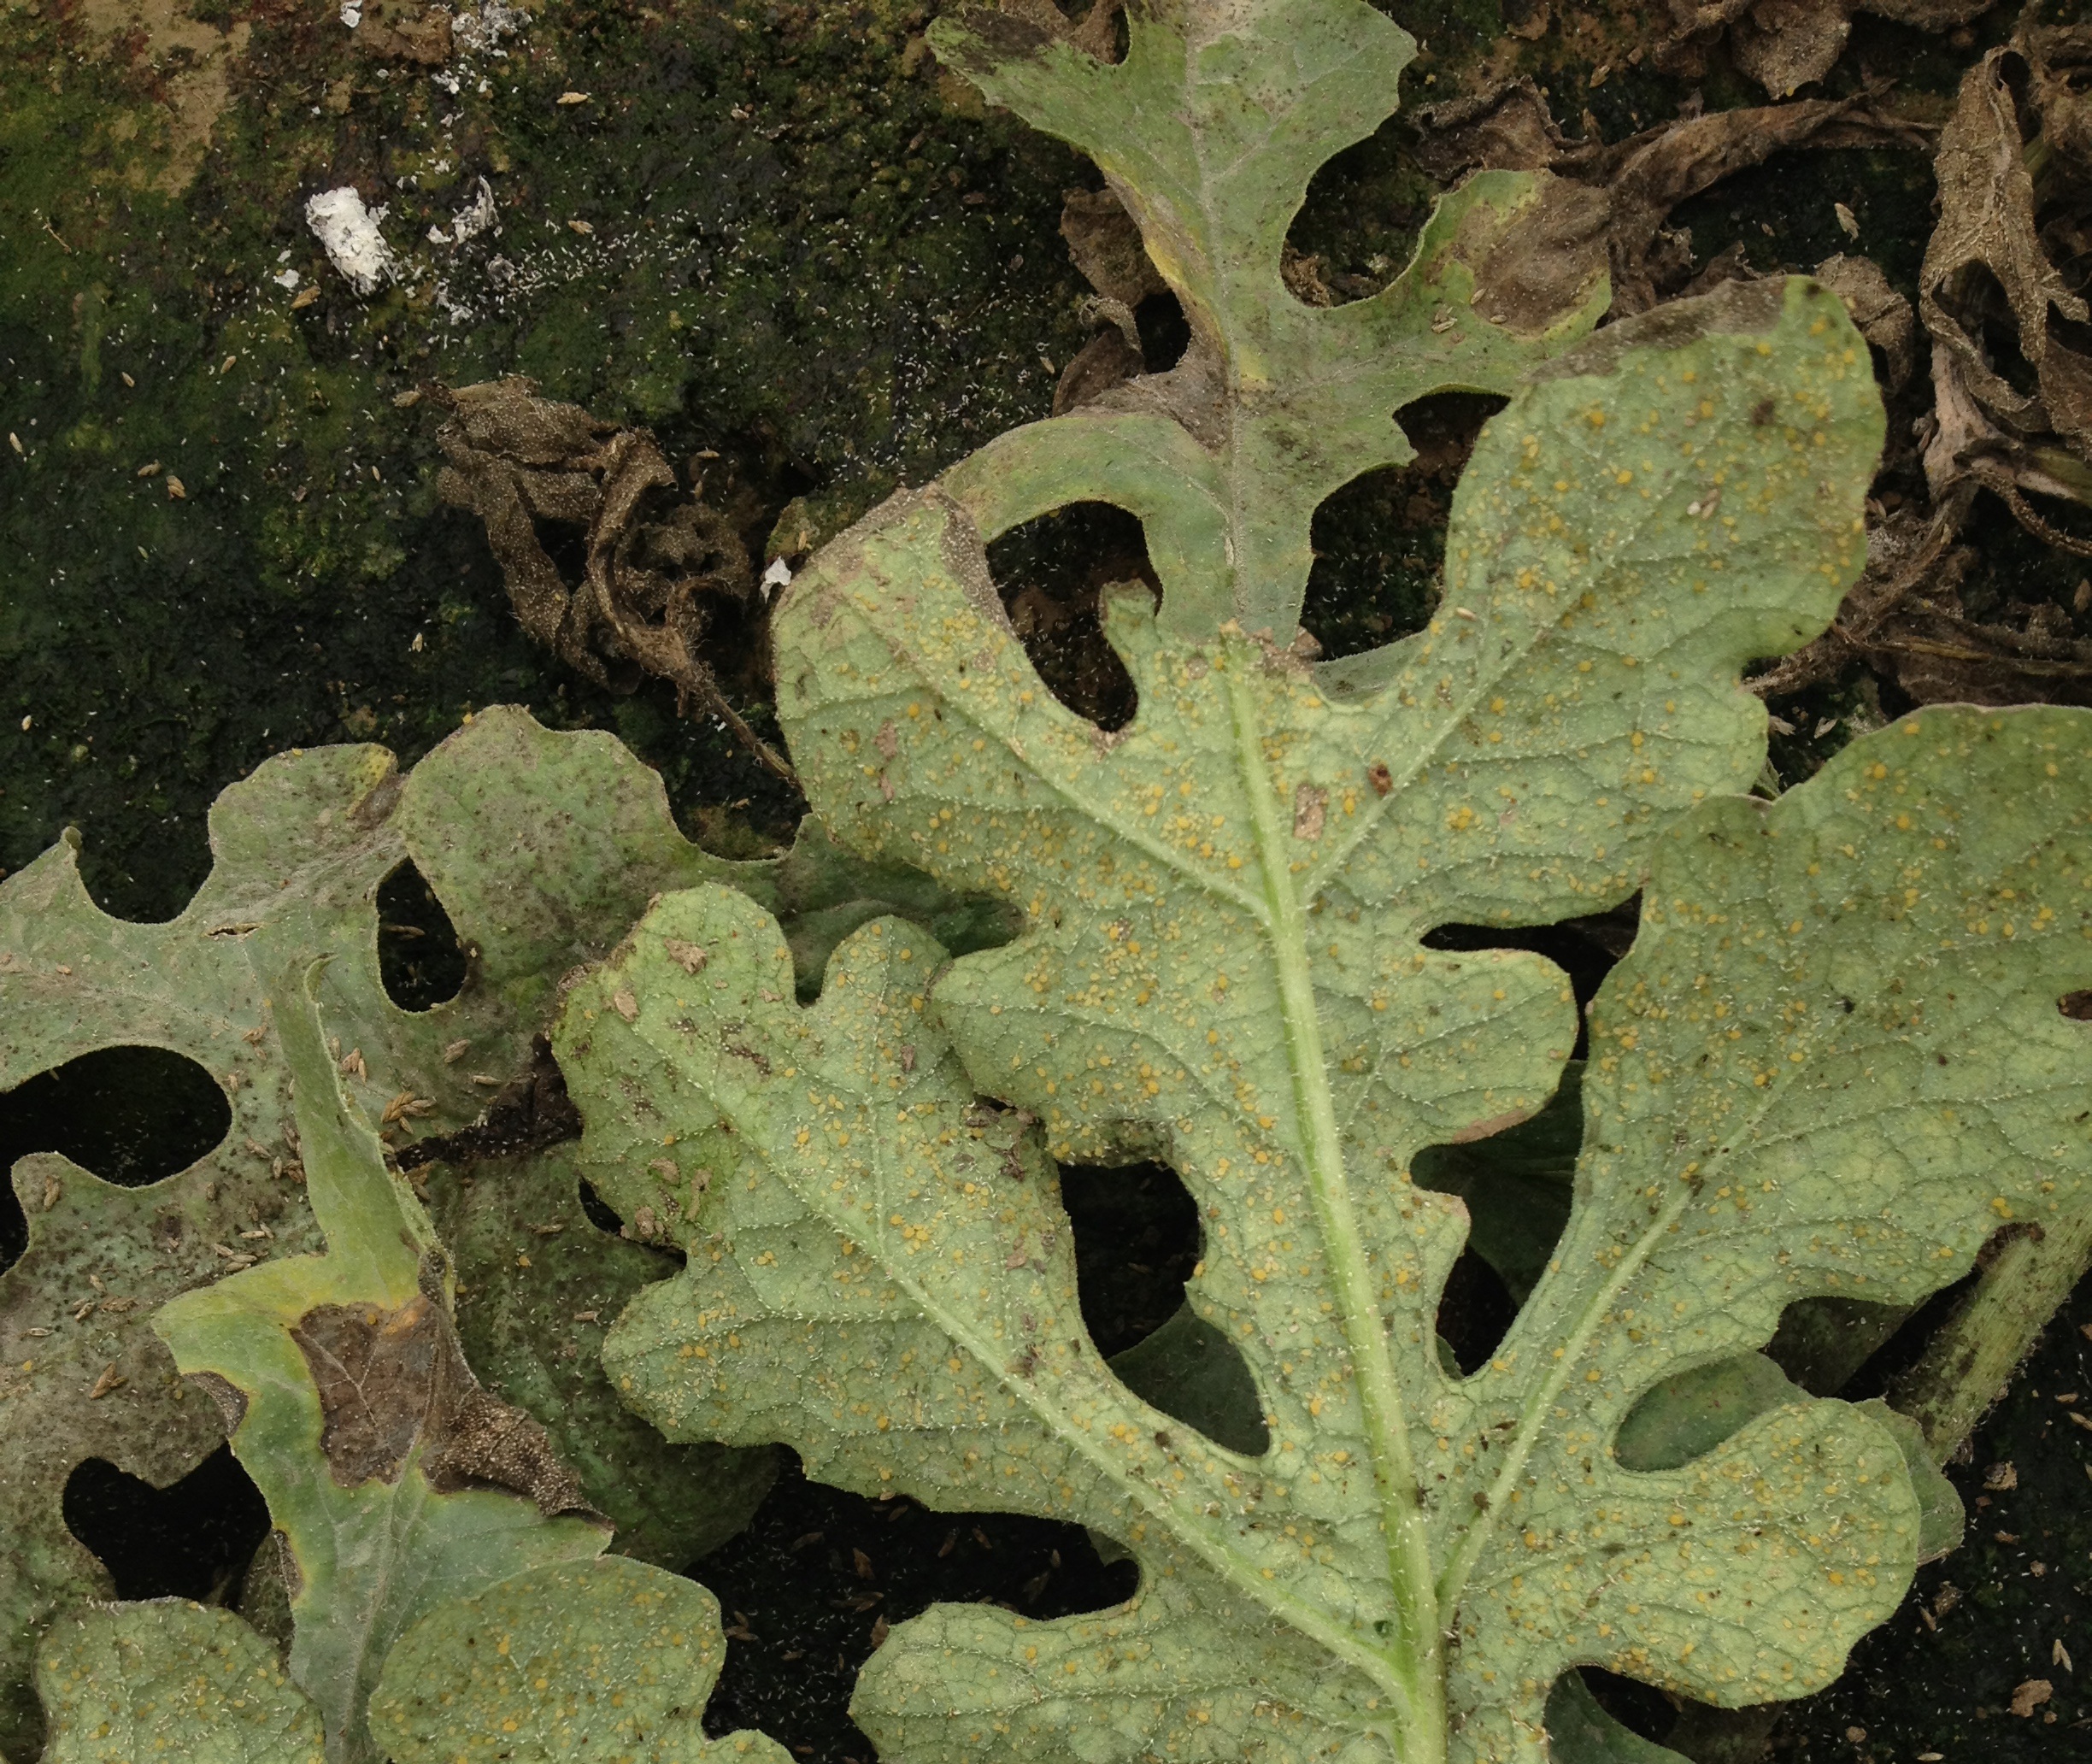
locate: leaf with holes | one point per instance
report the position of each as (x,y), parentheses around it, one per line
(541,847)
(394,1481)
(1208,131)
(1224,965)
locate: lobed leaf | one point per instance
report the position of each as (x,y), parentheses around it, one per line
(542,848)
(607,1661)
(1209,131)
(1223,964)
(394,1482)
(126,1683)
(541,1285)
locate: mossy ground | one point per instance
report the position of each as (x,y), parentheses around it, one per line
(774,232)
(806,252)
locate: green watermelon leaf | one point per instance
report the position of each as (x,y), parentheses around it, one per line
(1224,966)
(1208,131)
(542,848)
(169,1679)
(607,1661)
(394,1481)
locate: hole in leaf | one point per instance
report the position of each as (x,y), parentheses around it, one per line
(1165,333)
(130,1115)
(1517,1186)
(809,1590)
(597,1212)
(1474,1311)
(1584,948)
(566,543)
(421,960)
(1986,313)
(1641,1709)
(192,1540)
(1380,542)
(1136,1240)
(1049,571)
(1357,225)
(145,872)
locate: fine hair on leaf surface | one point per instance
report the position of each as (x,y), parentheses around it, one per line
(826,1097)
(1223,964)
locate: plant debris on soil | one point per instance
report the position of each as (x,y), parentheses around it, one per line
(660,298)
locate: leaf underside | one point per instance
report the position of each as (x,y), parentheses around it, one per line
(842,1082)
(168,1679)
(1223,965)
(541,847)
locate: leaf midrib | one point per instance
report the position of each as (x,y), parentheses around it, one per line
(1308,1620)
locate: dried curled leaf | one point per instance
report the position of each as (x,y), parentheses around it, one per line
(658,565)
(1785,45)
(1607,203)
(1992,246)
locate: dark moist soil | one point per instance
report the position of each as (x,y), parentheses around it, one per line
(815,258)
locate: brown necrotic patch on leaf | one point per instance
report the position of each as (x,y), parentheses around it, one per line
(392,1380)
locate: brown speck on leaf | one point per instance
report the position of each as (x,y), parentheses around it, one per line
(2031,1695)
(624,1005)
(406,1106)
(1310,806)
(886,741)
(1380,777)
(689,956)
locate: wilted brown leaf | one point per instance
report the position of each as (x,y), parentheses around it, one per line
(657,564)
(1990,281)
(1610,200)
(1785,45)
